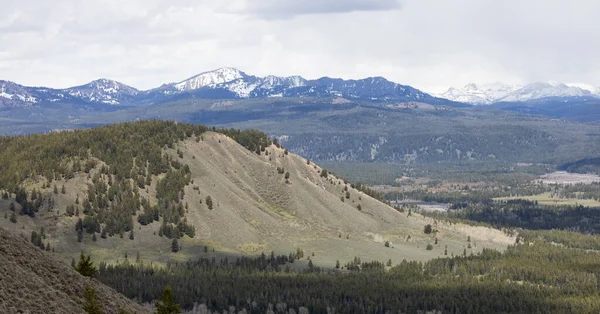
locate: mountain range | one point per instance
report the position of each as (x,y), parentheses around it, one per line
(223,83)
(231,83)
(486,94)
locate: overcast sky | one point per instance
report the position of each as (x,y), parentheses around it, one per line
(429,44)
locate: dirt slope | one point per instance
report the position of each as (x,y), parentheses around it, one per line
(32,282)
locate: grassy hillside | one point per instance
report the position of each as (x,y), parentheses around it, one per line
(262,199)
(33,282)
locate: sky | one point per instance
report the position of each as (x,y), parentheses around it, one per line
(428,44)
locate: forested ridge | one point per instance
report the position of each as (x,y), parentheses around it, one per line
(124,147)
(125,158)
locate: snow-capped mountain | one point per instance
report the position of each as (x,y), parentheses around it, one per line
(223,83)
(595,90)
(210,79)
(479,94)
(104,91)
(497,92)
(544,90)
(12,94)
(231,82)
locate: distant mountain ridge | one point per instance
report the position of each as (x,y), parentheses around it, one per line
(486,94)
(222,83)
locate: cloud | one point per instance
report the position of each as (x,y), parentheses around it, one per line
(430,44)
(283,9)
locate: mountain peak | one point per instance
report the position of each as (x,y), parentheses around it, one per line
(210,78)
(104,91)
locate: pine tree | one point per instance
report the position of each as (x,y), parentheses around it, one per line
(337,264)
(55,190)
(63,190)
(131,236)
(167,304)
(12,206)
(94,239)
(85,266)
(13,217)
(91,305)
(175,245)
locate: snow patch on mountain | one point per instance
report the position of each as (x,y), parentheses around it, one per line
(16,93)
(211,79)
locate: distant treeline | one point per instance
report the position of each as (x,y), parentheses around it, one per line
(532,277)
(588,165)
(527,215)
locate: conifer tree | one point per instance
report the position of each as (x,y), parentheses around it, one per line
(174,246)
(167,304)
(91,305)
(86,267)
(13,217)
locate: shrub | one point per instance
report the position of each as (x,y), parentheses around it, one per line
(428,229)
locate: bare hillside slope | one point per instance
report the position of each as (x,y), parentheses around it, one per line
(32,282)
